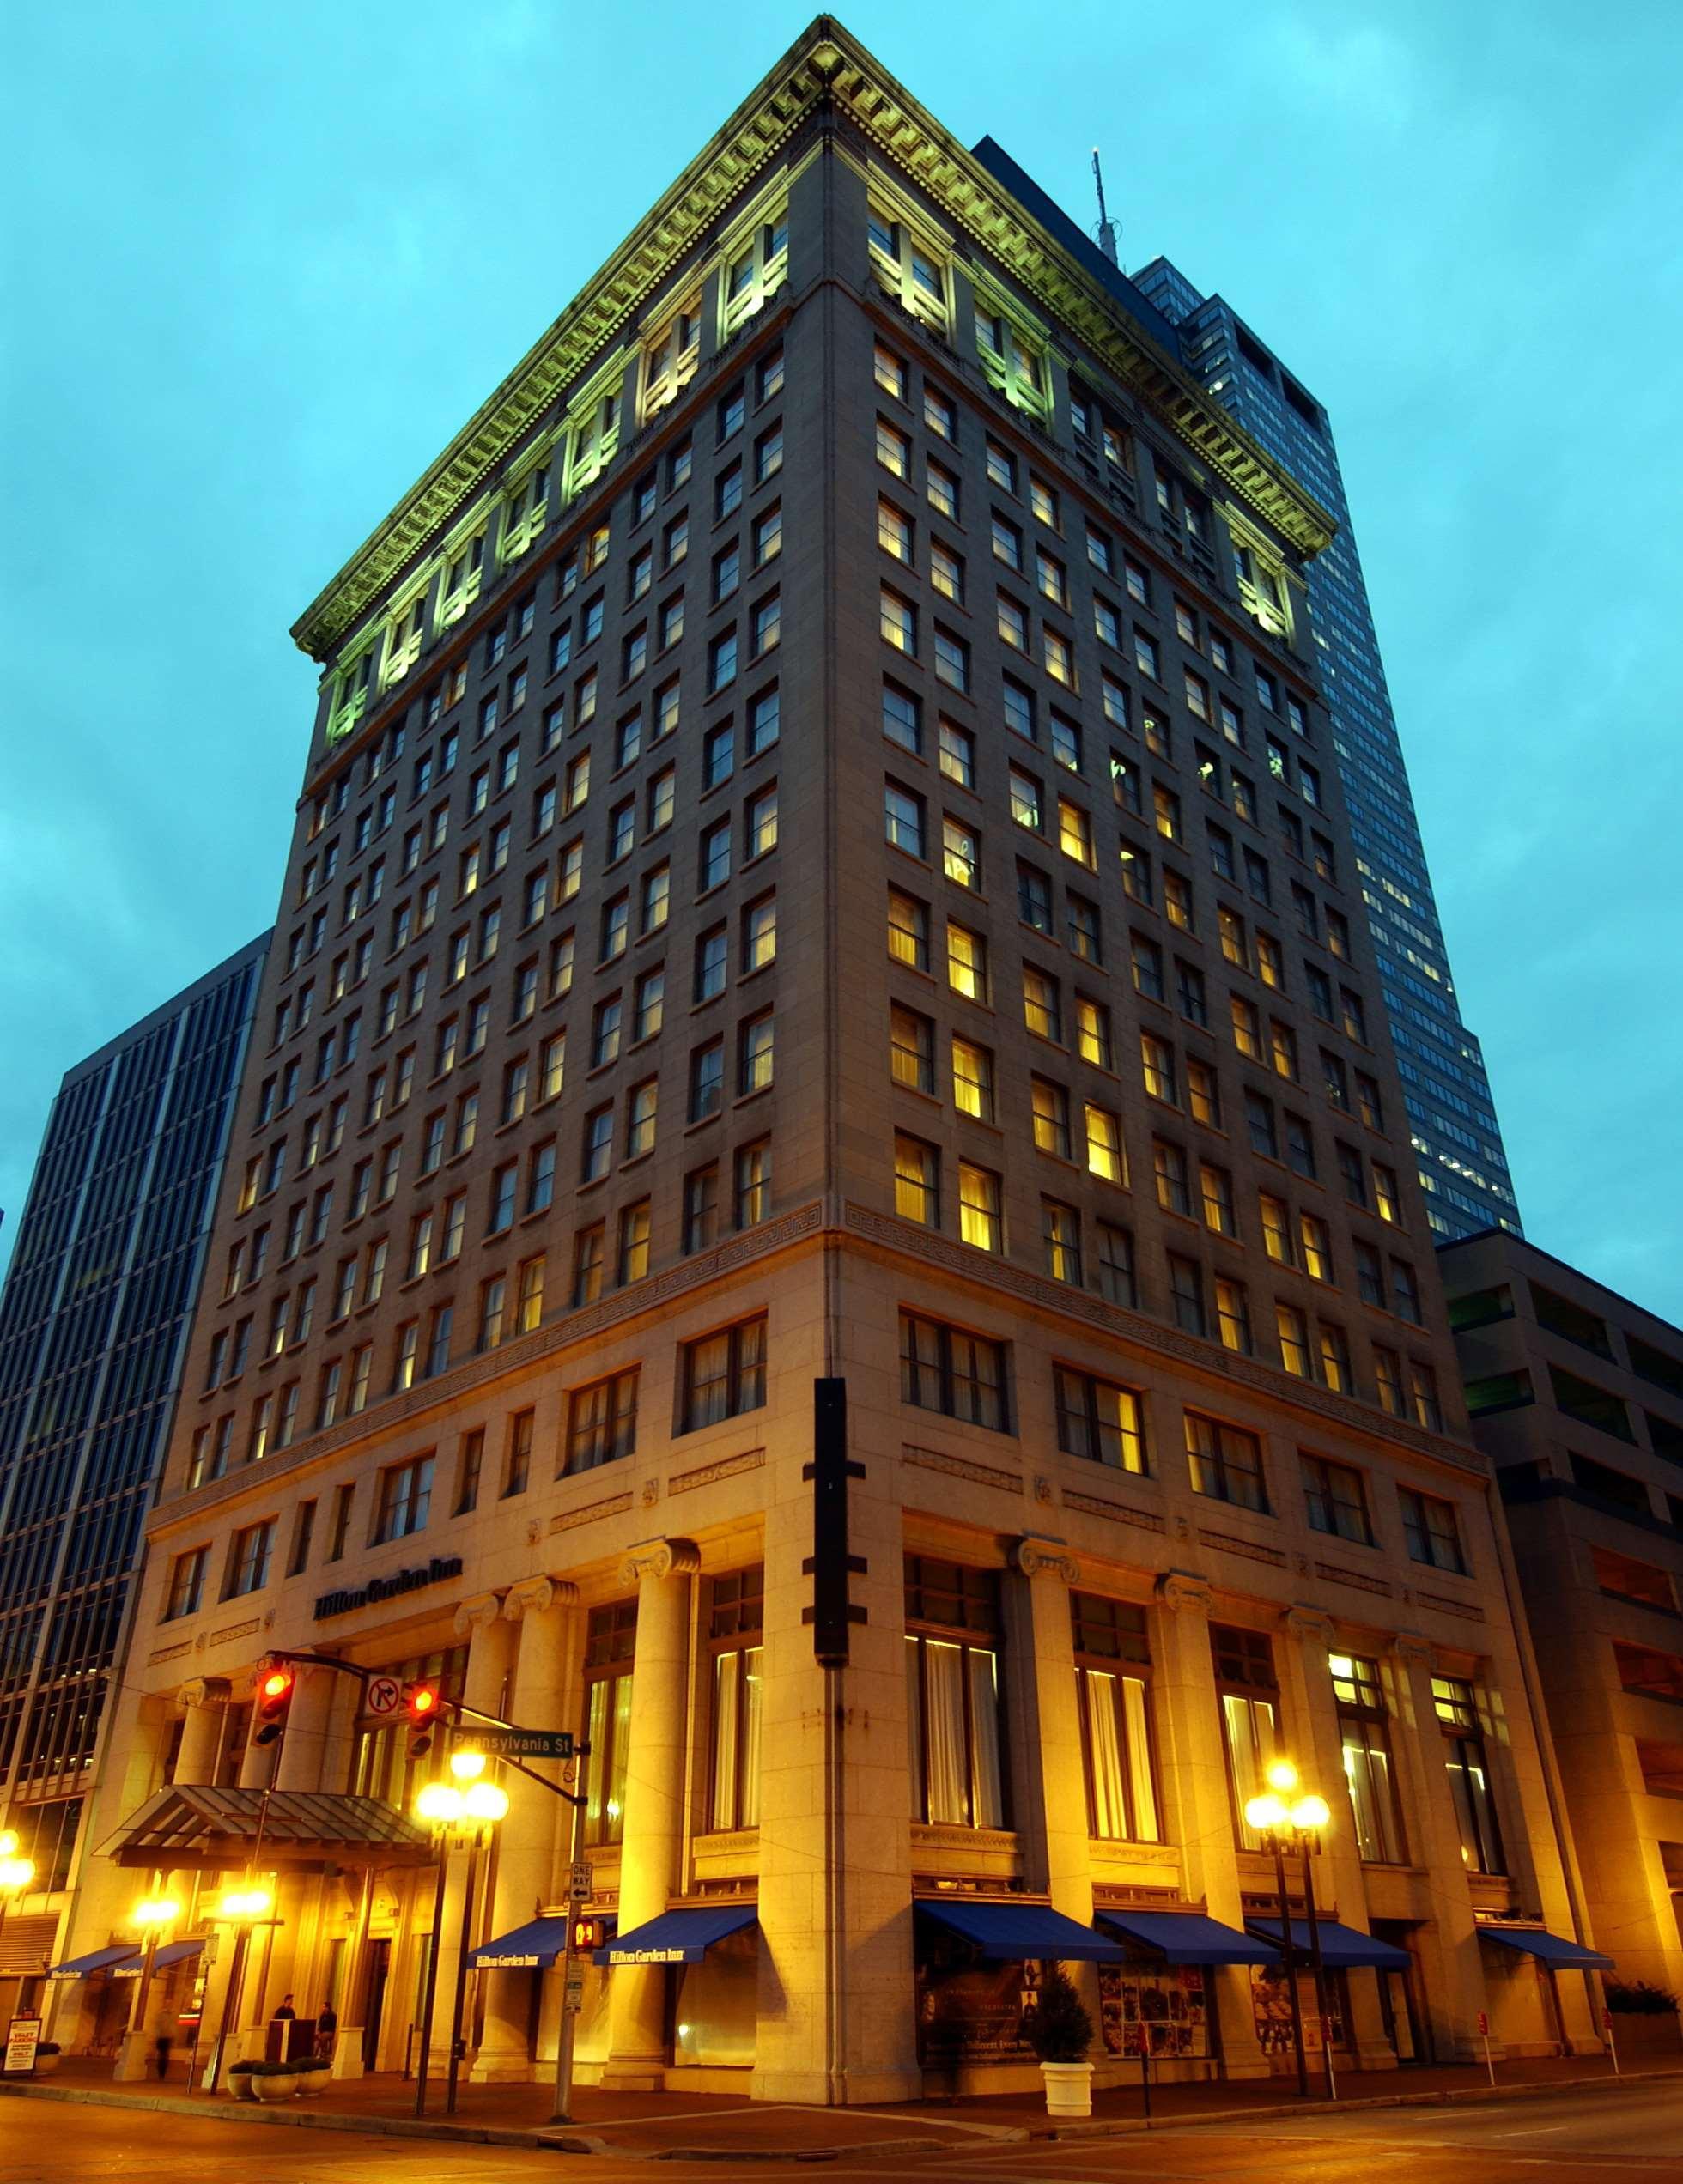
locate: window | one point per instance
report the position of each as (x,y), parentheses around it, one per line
(1105,1155)
(1225,1461)
(1042,1004)
(1232,1315)
(753,1183)
(406,1497)
(1335,1496)
(960,852)
(967,962)
(755,1054)
(724,1375)
(953,1632)
(186,1584)
(1099,1420)
(1112,1678)
(959,1375)
(1049,1105)
(601,1422)
(611,1639)
(902,818)
(911,1049)
(916,1181)
(1116,1265)
(1061,1236)
(980,1220)
(1431,1531)
(1293,1329)
(249,1558)
(1364,1720)
(1457,1710)
(1248,1693)
(735,1617)
(894,449)
(1168,1167)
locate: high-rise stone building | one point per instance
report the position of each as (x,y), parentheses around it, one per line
(1576,1397)
(94,1324)
(811,867)
(1446,1093)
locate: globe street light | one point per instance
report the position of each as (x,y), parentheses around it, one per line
(241,1909)
(1288,1817)
(15,1874)
(457,1816)
(151,1918)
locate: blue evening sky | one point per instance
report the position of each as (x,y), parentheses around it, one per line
(260,263)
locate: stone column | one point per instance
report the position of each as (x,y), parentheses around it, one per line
(303,1741)
(543,1608)
(1187,1718)
(1454,1975)
(651,1859)
(1318,1750)
(206,1701)
(1052,1817)
(490,1655)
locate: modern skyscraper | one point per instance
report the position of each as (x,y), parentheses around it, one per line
(1446,1093)
(820,861)
(94,1323)
(1576,1397)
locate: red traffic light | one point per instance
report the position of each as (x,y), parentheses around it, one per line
(273,1697)
(426,1711)
(423,1702)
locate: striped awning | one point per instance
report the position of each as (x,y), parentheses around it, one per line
(208,1830)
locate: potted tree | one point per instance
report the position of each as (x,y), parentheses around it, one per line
(1061,2032)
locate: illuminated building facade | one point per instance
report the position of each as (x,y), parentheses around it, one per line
(810,868)
(93,1325)
(1575,1396)
(1446,1093)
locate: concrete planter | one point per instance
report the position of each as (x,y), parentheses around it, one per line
(1069,2089)
(274,2086)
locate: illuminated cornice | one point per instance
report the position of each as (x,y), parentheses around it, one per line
(825,63)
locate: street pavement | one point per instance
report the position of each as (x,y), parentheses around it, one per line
(1613,2132)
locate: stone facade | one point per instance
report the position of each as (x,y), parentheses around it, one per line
(1008,1175)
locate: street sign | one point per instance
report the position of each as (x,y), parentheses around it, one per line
(575,1995)
(578,1882)
(22,2038)
(382,1695)
(523,1743)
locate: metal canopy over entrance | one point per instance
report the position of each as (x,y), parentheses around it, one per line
(210,1830)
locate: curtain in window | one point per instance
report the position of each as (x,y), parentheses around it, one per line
(1480,1844)
(610,1739)
(1104,1746)
(985,1718)
(736,1739)
(1248,1727)
(1367,1769)
(1141,1789)
(944,1732)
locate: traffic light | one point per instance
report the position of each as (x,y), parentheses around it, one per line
(426,1711)
(586,1936)
(273,1697)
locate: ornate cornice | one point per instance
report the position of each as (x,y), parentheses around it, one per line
(1037,1558)
(825,64)
(660,1558)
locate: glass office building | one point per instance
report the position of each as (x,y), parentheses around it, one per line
(1453,1123)
(93,1323)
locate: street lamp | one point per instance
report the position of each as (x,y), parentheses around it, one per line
(456,1817)
(16,1873)
(241,1909)
(151,1918)
(1289,1818)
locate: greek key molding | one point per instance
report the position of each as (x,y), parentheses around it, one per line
(1183,1591)
(1231,1543)
(726,1467)
(230,1631)
(1037,1558)
(384,1417)
(1335,1574)
(160,1655)
(537,1595)
(616,1505)
(661,1559)
(936,1459)
(1469,1611)
(1122,1512)
(477,1613)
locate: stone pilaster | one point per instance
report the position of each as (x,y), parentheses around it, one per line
(206,1702)
(1051,1776)
(651,1859)
(1449,1946)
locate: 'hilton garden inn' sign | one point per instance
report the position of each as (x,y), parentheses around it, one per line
(388,1588)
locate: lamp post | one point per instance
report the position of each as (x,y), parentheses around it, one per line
(241,1910)
(1288,1818)
(151,1918)
(16,1872)
(458,1816)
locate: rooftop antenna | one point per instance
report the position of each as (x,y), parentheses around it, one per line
(1106,229)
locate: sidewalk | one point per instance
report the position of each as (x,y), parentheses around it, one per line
(700,2127)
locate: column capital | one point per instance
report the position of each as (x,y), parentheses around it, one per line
(1409,1646)
(536,1595)
(206,1690)
(660,1558)
(1308,1625)
(1183,1591)
(1036,1556)
(477,1613)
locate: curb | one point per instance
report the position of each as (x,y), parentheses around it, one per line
(551,2140)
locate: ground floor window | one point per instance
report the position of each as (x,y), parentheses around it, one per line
(968,2010)
(717,2004)
(1156,2011)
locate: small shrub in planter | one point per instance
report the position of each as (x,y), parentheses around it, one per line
(274,2081)
(1640,1999)
(311,2072)
(1061,2032)
(239,2079)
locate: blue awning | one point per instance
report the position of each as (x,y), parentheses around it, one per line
(531,1947)
(1346,1947)
(96,1960)
(1015,1932)
(1552,1949)
(172,1952)
(1187,1937)
(678,1937)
